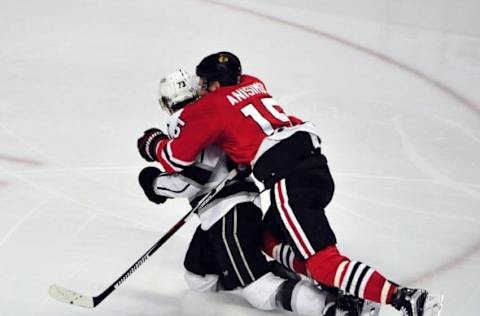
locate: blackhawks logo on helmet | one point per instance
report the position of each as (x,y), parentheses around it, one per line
(222,58)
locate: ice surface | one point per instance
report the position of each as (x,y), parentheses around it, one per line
(392,87)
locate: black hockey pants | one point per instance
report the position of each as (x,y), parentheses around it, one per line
(298,207)
(231,248)
(301,187)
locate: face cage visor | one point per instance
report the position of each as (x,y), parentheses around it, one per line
(166,105)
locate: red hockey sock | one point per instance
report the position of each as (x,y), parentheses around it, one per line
(330,268)
(282,253)
(268,243)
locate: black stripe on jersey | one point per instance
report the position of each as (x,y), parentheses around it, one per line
(231,189)
(170,161)
(352,276)
(170,190)
(197,174)
(238,186)
(173,191)
(360,279)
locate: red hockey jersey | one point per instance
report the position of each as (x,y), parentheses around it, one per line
(235,118)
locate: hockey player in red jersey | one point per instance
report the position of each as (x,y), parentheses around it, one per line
(238,115)
(225,250)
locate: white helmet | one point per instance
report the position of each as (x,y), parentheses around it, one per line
(177,89)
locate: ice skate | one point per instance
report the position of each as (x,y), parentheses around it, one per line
(417,302)
(433,305)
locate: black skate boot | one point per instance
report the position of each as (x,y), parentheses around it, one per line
(409,301)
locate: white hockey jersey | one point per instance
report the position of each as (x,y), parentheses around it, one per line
(209,168)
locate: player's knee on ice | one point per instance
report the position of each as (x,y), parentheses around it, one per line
(301,297)
(272,292)
(202,283)
(262,292)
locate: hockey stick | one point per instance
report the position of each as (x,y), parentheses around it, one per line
(71,297)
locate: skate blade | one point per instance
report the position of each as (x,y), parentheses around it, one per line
(433,305)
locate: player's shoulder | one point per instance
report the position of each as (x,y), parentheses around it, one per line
(209,101)
(202,108)
(249,79)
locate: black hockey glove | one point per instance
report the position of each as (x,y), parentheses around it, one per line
(148,143)
(146,178)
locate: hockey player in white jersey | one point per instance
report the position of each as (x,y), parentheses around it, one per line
(225,251)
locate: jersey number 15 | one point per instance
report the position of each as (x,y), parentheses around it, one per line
(268,103)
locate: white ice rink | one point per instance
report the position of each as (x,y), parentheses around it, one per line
(392,86)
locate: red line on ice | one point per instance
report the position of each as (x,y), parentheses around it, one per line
(434,82)
(20,160)
(449,265)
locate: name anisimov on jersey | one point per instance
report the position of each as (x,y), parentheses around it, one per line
(243,93)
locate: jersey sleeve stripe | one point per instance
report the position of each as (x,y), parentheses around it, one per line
(166,154)
(166,163)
